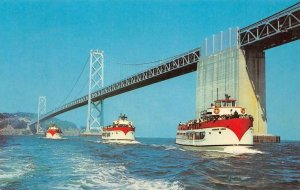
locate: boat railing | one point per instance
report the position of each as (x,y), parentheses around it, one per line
(196,124)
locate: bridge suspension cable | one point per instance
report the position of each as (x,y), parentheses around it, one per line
(77,80)
(144,63)
(128,69)
(85,85)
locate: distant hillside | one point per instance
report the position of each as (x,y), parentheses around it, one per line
(16,124)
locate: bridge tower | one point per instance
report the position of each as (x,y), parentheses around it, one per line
(96,79)
(41,111)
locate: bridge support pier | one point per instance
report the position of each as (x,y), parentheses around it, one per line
(236,72)
(41,110)
(252,87)
(96,77)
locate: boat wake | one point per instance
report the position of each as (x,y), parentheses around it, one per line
(12,169)
(167,147)
(110,176)
(62,138)
(230,150)
(13,173)
(120,142)
(237,150)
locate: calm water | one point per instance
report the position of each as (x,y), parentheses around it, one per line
(86,163)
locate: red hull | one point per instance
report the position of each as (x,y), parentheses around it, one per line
(52,131)
(238,125)
(124,129)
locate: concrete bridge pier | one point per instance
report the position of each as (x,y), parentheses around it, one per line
(252,87)
(252,91)
(241,74)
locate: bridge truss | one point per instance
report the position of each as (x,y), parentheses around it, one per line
(280,28)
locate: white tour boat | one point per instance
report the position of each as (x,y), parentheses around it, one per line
(53,132)
(121,130)
(223,124)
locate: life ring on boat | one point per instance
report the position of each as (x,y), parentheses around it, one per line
(216,110)
(243,111)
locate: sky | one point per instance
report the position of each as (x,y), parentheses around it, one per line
(44,46)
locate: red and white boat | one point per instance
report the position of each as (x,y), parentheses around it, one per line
(53,132)
(223,124)
(121,131)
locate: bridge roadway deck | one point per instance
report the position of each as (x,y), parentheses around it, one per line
(176,66)
(280,28)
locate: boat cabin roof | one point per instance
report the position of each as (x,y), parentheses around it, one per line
(227,102)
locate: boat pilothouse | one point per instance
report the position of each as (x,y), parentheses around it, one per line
(223,124)
(122,130)
(224,109)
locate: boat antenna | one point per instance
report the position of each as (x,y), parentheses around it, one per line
(217,93)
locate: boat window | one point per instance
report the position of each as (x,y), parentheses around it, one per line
(185,136)
(218,104)
(233,104)
(202,135)
(199,135)
(191,136)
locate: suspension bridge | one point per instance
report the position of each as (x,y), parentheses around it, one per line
(243,55)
